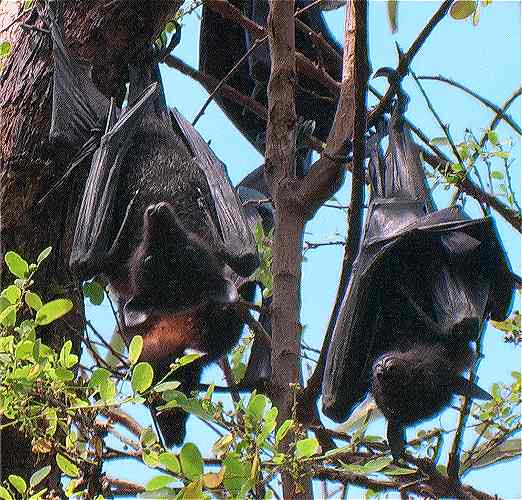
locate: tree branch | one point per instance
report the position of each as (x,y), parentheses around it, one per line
(491,105)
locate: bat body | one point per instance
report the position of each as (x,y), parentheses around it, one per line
(159,219)
(223,43)
(422,286)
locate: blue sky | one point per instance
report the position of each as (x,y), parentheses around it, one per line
(485,58)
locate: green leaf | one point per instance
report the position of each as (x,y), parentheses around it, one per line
(43,255)
(12,293)
(393,470)
(5,48)
(63,375)
(187,359)
(135,348)
(94,291)
(305,448)
(67,360)
(33,300)
(158,482)
(493,137)
(170,462)
(4,494)
(256,407)
(191,461)
(283,430)
(18,266)
(439,141)
(107,390)
(236,474)
(462,9)
(8,316)
(377,464)
(142,376)
(222,445)
(501,154)
(39,476)
(66,466)
(18,482)
(99,376)
(167,386)
(150,458)
(24,350)
(52,311)
(497,174)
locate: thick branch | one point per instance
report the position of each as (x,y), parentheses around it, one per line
(353,94)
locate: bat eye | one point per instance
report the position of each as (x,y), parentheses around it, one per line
(387,369)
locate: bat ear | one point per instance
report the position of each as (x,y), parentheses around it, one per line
(223,292)
(134,313)
(466,388)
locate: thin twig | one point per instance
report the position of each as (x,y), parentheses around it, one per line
(407,58)
(236,66)
(491,105)
(465,408)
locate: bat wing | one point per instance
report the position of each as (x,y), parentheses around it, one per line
(238,244)
(95,241)
(78,108)
(222,43)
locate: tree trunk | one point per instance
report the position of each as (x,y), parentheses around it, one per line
(108,34)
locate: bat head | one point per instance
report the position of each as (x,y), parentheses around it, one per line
(416,383)
(174,270)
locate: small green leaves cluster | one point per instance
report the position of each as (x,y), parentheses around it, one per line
(493,151)
(496,422)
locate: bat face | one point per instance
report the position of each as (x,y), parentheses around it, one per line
(173,270)
(415,383)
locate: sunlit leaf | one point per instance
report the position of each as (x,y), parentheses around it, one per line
(135,349)
(66,466)
(18,482)
(52,311)
(142,376)
(18,266)
(306,448)
(158,482)
(191,461)
(462,9)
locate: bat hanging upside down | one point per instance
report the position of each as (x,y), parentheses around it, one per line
(159,219)
(423,285)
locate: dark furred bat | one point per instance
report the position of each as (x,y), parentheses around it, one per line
(159,219)
(422,286)
(223,43)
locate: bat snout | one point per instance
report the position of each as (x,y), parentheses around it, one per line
(387,369)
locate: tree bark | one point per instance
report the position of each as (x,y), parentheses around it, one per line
(108,34)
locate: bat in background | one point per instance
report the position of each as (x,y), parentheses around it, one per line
(223,43)
(423,285)
(159,219)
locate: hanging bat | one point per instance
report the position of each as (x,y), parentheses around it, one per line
(159,219)
(422,286)
(223,43)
